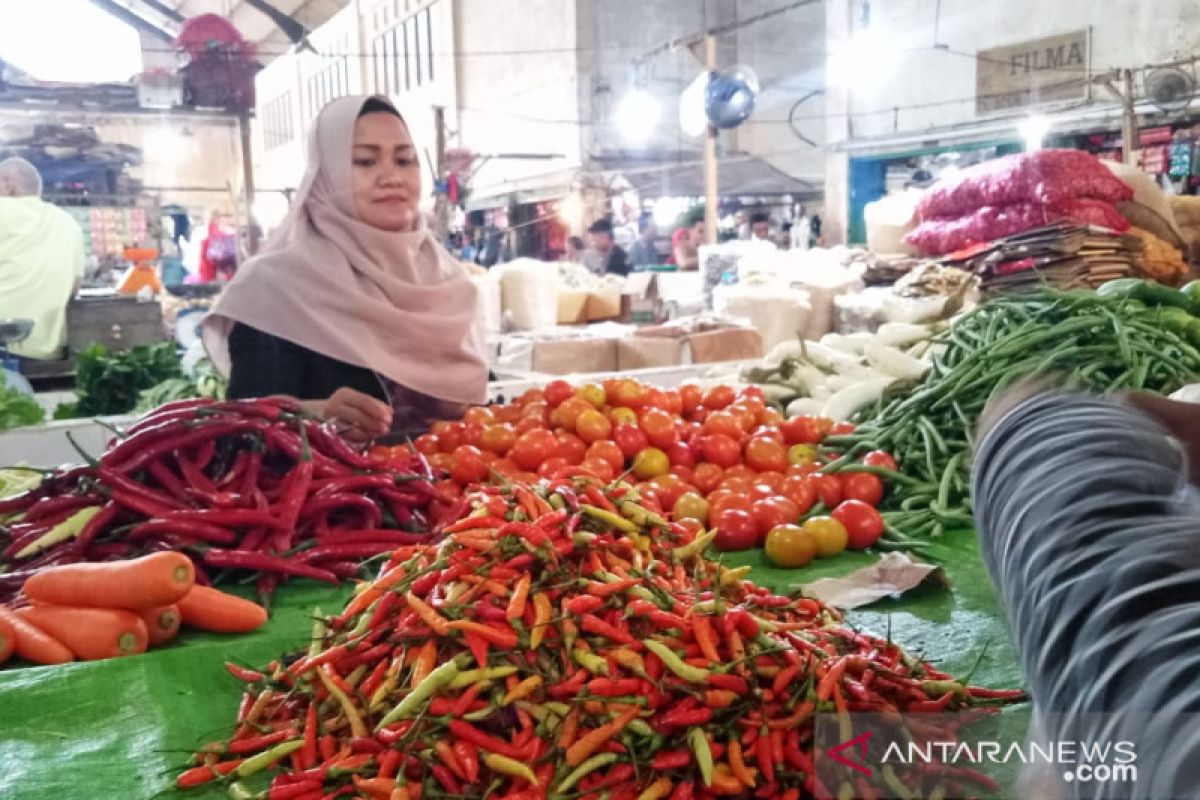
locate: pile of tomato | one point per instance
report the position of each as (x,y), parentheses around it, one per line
(720,458)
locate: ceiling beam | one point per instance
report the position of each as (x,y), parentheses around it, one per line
(164,9)
(128,17)
(292,28)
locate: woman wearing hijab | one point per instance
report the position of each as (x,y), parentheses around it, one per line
(352,306)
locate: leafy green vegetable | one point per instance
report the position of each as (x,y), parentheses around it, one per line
(110,383)
(206,383)
(18,409)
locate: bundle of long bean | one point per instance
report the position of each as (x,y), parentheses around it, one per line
(251,486)
(568,642)
(1092,342)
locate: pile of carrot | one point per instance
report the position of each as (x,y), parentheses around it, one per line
(97,611)
(569,642)
(241,487)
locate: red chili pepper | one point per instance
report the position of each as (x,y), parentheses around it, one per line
(671,759)
(260,562)
(608,687)
(583,604)
(598,627)
(680,717)
(468,757)
(995,694)
(242,673)
(293,791)
(469,733)
(341,552)
(257,743)
(682,791)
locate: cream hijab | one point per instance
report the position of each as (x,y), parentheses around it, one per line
(395,303)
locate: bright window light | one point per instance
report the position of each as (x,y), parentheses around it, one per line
(1033,130)
(636,116)
(866,55)
(72,41)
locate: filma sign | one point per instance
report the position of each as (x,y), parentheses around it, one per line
(1031,73)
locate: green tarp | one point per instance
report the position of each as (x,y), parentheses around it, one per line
(123,728)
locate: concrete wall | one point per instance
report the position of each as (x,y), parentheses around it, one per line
(516,88)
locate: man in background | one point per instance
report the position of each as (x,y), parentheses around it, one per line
(760,227)
(41,260)
(643,253)
(604,256)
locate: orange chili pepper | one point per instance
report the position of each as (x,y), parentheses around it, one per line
(589,743)
(793,720)
(703,631)
(495,635)
(436,622)
(424,662)
(570,729)
(541,619)
(737,764)
(831,679)
(516,603)
(380,788)
(720,698)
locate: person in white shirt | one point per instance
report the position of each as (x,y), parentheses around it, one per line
(41,260)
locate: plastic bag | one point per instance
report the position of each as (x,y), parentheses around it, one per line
(945,235)
(1045,176)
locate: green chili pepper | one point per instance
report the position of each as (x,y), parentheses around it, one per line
(69,528)
(240,791)
(435,680)
(267,757)
(609,518)
(590,661)
(641,516)
(318,633)
(467,677)
(583,770)
(695,548)
(703,753)
(675,663)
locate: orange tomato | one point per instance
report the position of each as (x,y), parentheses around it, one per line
(531,396)
(530,424)
(510,414)
(659,427)
(628,393)
(558,391)
(766,455)
(427,444)
(606,451)
(592,426)
(650,462)
(707,477)
(770,416)
(685,473)
(568,413)
(736,483)
(719,397)
(669,488)
(467,465)
(440,461)
(552,465)
(599,467)
(505,466)
(768,432)
(724,423)
(746,417)
(452,437)
(741,471)
(472,433)
(672,402)
(593,393)
(623,416)
(479,415)
(805,430)
(440,426)
(498,438)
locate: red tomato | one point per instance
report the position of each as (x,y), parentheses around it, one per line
(526,424)
(707,477)
(771,417)
(669,488)
(467,465)
(761,491)
(531,396)
(773,479)
(772,511)
(680,455)
(736,530)
(805,430)
(452,437)
(654,398)
(428,444)
(498,438)
(479,416)
(719,397)
(802,470)
(569,447)
(627,393)
(568,413)
(592,426)
(747,417)
(754,393)
(607,451)
(721,450)
(685,474)
(862,486)
(599,467)
(842,429)
(741,471)
(767,432)
(878,458)
(441,461)
(672,403)
(532,448)
(552,465)
(829,489)
(862,522)
(630,439)
(800,490)
(766,455)
(736,483)
(659,427)
(721,501)
(505,466)
(689,398)
(472,433)
(558,391)
(509,414)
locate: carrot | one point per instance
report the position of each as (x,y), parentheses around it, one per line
(158,579)
(8,641)
(92,633)
(161,623)
(213,610)
(34,644)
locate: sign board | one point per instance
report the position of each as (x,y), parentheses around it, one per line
(1031,73)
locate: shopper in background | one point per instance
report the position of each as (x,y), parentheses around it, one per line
(643,253)
(760,227)
(814,232)
(604,256)
(352,306)
(784,242)
(686,241)
(41,260)
(575,249)
(800,229)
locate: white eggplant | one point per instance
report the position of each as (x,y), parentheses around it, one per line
(900,334)
(781,352)
(828,358)
(805,406)
(844,404)
(852,343)
(895,363)
(808,378)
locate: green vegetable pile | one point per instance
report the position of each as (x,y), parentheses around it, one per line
(17,408)
(206,383)
(109,382)
(1103,342)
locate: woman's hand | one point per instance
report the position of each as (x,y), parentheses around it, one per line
(357,416)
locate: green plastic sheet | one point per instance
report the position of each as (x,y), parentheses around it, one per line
(123,728)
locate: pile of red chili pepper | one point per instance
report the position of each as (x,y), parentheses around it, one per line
(564,642)
(240,486)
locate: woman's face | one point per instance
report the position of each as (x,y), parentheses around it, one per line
(387,175)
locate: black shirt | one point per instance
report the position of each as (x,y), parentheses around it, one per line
(618,262)
(263,365)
